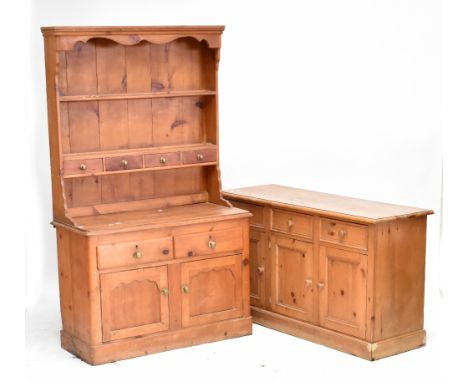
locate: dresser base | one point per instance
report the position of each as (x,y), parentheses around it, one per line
(138,346)
(348,344)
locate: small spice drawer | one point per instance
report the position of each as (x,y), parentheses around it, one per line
(134,253)
(342,233)
(127,162)
(86,166)
(293,223)
(255,210)
(210,242)
(162,159)
(199,156)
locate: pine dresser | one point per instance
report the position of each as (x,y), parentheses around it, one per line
(150,256)
(343,272)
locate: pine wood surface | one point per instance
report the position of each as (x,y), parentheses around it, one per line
(337,277)
(325,204)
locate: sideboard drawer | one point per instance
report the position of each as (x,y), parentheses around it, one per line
(255,210)
(292,223)
(162,159)
(199,156)
(86,166)
(211,242)
(134,252)
(347,234)
(127,162)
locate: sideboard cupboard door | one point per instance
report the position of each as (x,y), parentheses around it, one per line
(257,268)
(211,290)
(292,285)
(342,291)
(134,303)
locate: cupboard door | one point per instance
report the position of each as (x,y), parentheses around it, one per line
(257,268)
(134,303)
(211,290)
(292,292)
(342,291)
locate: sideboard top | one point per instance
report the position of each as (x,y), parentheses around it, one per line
(325,204)
(73,30)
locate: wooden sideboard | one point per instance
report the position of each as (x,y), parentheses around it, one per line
(343,272)
(150,256)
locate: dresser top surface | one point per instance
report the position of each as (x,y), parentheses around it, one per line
(156,218)
(323,203)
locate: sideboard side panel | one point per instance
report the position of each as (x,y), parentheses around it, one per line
(399,277)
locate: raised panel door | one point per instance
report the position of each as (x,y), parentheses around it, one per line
(211,290)
(342,290)
(292,285)
(134,303)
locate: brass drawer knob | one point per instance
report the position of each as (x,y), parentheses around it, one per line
(211,243)
(162,160)
(137,255)
(83,167)
(260,270)
(343,233)
(185,289)
(124,163)
(165,292)
(200,156)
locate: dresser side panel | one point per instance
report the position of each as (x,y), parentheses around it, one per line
(86,300)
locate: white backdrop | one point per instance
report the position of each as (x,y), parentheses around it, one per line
(339,96)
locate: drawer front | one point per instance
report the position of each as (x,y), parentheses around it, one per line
(255,210)
(199,156)
(127,162)
(210,242)
(162,159)
(87,166)
(347,234)
(134,253)
(292,223)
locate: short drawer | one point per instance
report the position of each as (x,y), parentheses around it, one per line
(347,234)
(292,223)
(206,243)
(255,210)
(199,156)
(162,159)
(134,253)
(127,162)
(87,166)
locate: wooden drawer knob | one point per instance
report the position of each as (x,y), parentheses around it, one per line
(200,157)
(211,243)
(162,160)
(343,233)
(83,167)
(124,163)
(320,285)
(260,270)
(290,223)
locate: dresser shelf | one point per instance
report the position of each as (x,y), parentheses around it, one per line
(146,95)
